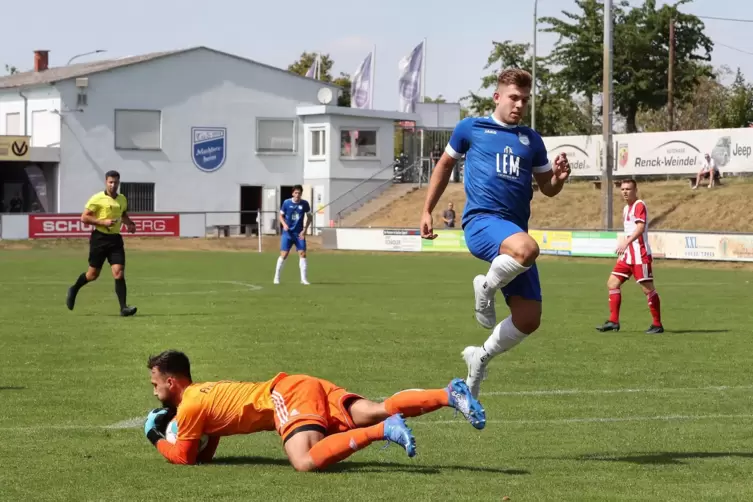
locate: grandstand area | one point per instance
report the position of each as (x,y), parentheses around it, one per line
(672,205)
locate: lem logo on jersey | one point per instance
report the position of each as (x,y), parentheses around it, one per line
(508,164)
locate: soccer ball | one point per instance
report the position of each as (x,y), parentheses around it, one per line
(171,434)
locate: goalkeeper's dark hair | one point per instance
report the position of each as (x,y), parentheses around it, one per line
(171,362)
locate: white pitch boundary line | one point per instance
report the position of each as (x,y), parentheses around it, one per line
(243,286)
(575,392)
(592,420)
(135,423)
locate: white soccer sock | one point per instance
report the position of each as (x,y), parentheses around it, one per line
(504,337)
(503,270)
(303,266)
(280,263)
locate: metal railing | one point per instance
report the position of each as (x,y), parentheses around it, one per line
(390,166)
(413,169)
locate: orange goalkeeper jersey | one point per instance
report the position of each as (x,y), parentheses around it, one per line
(225,408)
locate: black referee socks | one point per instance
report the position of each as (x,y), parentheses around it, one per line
(120,290)
(81,282)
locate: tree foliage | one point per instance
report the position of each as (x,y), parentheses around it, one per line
(306,61)
(10,69)
(556,112)
(640,57)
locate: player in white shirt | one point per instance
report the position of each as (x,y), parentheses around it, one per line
(709,166)
(634,258)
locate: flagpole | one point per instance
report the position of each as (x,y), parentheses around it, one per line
(423,93)
(371,84)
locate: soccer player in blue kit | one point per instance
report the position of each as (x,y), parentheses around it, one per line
(502,159)
(292,215)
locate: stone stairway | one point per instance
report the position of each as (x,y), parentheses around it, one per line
(380,201)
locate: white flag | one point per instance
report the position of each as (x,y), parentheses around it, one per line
(312,70)
(410,79)
(361,86)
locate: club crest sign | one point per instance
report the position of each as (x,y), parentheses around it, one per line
(209,147)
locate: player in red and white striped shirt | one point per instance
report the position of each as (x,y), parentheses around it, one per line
(634,258)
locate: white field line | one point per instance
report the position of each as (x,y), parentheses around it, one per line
(656,390)
(590,420)
(136,423)
(241,286)
(576,392)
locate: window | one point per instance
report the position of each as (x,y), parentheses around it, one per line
(13,124)
(358,143)
(138,130)
(276,136)
(318,143)
(140,197)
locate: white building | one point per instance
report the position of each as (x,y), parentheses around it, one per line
(194,130)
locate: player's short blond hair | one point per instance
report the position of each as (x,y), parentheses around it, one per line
(515,76)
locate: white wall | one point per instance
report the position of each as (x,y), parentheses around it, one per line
(195,89)
(42,124)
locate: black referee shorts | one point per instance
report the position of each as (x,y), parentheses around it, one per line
(106,247)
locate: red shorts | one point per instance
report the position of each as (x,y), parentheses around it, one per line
(641,272)
(303,400)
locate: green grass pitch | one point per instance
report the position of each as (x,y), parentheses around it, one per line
(573,414)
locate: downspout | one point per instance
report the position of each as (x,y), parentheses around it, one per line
(26,112)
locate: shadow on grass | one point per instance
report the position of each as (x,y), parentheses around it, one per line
(681,331)
(370,466)
(659,458)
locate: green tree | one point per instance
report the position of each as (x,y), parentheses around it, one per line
(738,109)
(438,99)
(306,60)
(579,49)
(641,66)
(705,108)
(344,82)
(11,70)
(641,56)
(556,112)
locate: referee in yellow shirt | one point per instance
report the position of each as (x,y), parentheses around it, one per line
(106,210)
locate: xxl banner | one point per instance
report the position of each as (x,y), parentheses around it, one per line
(63,226)
(586,243)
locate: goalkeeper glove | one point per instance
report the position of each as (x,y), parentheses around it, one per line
(156,424)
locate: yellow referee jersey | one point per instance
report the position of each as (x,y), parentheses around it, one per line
(105,207)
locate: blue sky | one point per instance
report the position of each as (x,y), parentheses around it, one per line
(459,34)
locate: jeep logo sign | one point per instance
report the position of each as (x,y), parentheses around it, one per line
(64,226)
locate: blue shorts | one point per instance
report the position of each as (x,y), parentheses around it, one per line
(484,233)
(289,239)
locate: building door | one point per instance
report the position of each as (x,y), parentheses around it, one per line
(250,205)
(270,207)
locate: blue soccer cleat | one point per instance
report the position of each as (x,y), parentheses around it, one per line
(462,400)
(397,431)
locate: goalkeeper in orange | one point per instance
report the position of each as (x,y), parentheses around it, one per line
(319,423)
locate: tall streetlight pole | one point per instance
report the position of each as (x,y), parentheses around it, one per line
(85,54)
(608,148)
(533,64)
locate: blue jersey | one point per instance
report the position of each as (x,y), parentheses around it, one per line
(500,160)
(293,213)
